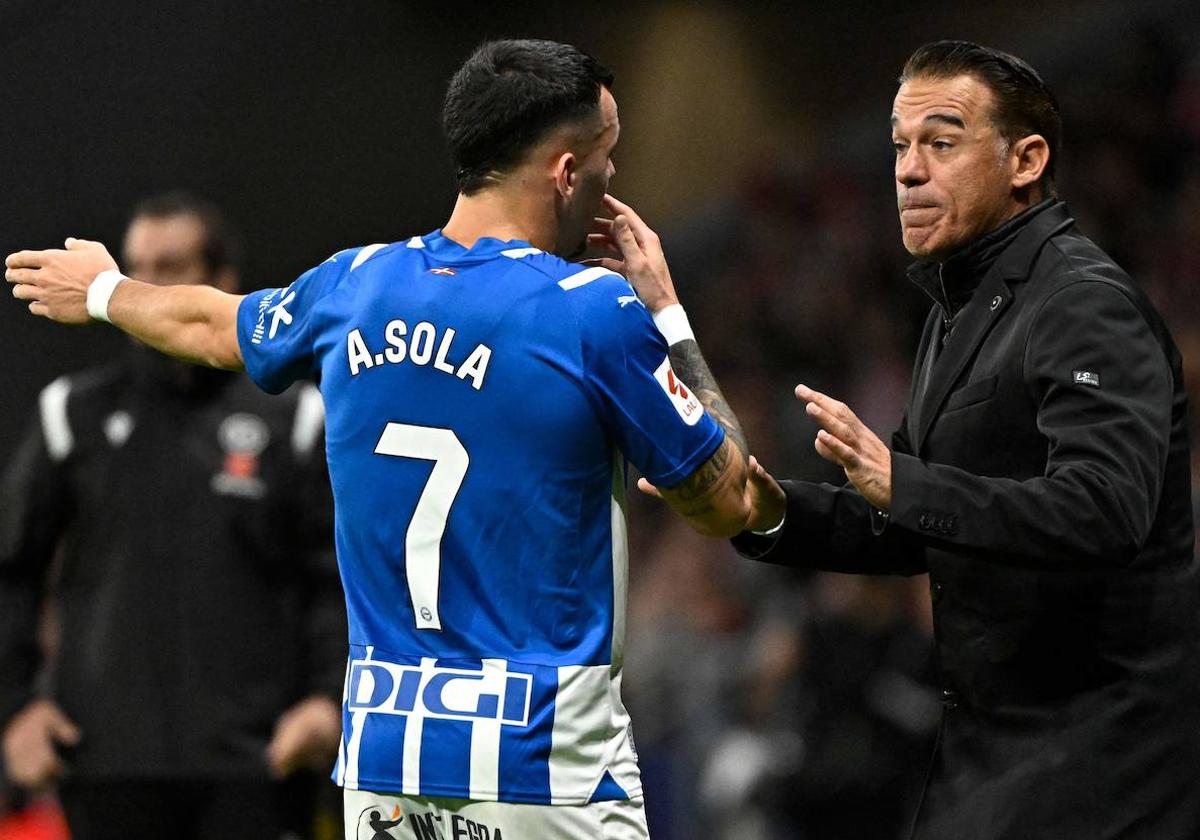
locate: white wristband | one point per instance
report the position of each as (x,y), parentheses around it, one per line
(672,322)
(99,292)
(770,532)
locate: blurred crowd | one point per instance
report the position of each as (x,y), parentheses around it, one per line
(775,705)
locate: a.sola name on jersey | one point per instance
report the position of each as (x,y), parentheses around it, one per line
(426,345)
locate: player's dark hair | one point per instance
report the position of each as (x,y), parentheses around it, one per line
(1024,104)
(508,96)
(221,248)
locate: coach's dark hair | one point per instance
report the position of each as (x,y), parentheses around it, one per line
(508,96)
(221,248)
(1023,103)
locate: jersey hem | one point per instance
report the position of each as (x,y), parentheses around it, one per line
(392,789)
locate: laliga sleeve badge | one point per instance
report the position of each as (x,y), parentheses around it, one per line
(243,437)
(685,402)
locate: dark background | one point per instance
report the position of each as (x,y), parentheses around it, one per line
(315,124)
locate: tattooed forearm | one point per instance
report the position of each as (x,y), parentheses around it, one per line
(692,370)
(693,495)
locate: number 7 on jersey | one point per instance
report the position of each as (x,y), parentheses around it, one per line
(423,540)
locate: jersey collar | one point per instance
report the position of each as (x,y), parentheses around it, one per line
(441,248)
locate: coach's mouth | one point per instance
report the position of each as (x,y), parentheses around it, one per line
(917,214)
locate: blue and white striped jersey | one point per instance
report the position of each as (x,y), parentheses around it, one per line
(481,405)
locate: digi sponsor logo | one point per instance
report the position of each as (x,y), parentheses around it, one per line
(685,402)
(449,693)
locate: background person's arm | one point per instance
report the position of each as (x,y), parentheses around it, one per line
(194,323)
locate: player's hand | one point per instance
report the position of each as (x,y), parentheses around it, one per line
(765,499)
(306,735)
(634,251)
(847,442)
(55,282)
(30,757)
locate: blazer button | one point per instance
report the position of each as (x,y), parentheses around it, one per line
(935,592)
(996,301)
(949,698)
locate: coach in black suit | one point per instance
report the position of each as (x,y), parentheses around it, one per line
(1040,476)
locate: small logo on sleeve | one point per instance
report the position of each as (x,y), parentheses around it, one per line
(685,402)
(1087,377)
(279,315)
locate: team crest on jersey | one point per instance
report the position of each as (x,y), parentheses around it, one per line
(685,402)
(118,427)
(243,437)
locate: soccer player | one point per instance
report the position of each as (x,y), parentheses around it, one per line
(483,395)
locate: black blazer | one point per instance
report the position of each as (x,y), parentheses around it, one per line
(1043,481)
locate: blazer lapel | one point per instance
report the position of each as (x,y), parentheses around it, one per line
(988,302)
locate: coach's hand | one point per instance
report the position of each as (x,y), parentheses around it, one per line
(307,734)
(634,251)
(55,282)
(30,757)
(765,499)
(847,442)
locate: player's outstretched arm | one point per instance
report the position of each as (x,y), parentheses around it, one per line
(714,498)
(194,323)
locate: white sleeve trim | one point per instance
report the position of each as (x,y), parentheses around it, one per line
(366,253)
(584,277)
(56,428)
(310,418)
(517,253)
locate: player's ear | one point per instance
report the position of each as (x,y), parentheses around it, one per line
(565,171)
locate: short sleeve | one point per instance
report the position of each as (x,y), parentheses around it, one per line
(659,423)
(275,330)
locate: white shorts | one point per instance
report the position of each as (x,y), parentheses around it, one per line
(384,816)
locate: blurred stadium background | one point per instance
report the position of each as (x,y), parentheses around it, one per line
(767,704)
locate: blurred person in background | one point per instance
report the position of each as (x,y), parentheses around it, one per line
(480,532)
(180,520)
(1040,476)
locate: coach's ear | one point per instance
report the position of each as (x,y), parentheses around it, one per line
(564,173)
